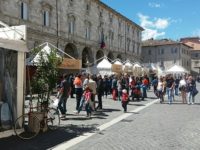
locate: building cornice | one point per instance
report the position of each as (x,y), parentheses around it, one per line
(118,14)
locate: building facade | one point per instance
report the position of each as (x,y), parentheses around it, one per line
(165,53)
(194,42)
(84,29)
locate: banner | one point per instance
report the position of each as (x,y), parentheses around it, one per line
(116,68)
(68,63)
(128,69)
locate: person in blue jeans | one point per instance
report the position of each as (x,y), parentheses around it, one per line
(170,88)
(64,93)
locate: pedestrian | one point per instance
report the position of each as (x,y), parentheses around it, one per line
(119,89)
(114,88)
(100,90)
(64,93)
(160,89)
(191,87)
(88,104)
(182,89)
(93,86)
(170,88)
(125,99)
(78,90)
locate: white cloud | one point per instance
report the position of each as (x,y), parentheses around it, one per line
(153,26)
(196,32)
(161,23)
(154,5)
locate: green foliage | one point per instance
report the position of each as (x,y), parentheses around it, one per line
(44,81)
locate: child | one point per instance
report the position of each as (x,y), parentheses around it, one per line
(125,99)
(88,103)
(86,98)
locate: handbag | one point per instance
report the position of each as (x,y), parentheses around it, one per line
(195,91)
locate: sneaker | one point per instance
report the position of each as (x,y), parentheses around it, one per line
(192,103)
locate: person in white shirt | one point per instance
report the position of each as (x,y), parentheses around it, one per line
(182,89)
(160,89)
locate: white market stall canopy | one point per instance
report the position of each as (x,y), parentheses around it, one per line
(117,66)
(176,69)
(67,63)
(128,66)
(13,38)
(104,67)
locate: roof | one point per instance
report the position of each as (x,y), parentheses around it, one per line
(152,42)
(116,12)
(17,45)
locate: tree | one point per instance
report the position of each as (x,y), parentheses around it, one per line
(46,76)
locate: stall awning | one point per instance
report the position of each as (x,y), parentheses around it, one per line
(17,45)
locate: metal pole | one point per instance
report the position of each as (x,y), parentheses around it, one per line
(57,23)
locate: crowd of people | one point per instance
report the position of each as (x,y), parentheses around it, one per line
(123,88)
(170,86)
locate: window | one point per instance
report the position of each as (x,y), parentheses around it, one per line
(87,30)
(128,44)
(24,11)
(133,46)
(120,25)
(149,52)
(196,55)
(71,3)
(174,61)
(87,8)
(120,41)
(111,37)
(162,51)
(175,51)
(46,18)
(172,50)
(71,25)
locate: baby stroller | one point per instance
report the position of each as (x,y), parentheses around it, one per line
(136,93)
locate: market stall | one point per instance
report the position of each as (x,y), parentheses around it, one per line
(104,67)
(117,66)
(13,50)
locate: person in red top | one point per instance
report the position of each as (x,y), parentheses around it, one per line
(125,99)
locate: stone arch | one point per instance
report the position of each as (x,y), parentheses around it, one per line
(71,49)
(87,57)
(99,55)
(110,56)
(119,57)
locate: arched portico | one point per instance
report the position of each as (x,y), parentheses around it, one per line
(87,57)
(71,49)
(99,55)
(110,56)
(119,57)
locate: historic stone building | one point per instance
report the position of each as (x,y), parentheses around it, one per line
(84,29)
(194,42)
(165,53)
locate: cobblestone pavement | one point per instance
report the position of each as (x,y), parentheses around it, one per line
(158,127)
(73,126)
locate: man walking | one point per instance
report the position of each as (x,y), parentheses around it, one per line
(64,93)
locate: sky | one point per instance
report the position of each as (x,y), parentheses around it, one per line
(171,19)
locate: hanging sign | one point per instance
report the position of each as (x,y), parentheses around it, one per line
(116,68)
(68,63)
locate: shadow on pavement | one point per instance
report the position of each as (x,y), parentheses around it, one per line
(136,104)
(48,139)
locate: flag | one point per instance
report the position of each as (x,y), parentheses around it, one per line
(103,45)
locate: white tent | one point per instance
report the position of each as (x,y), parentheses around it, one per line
(117,62)
(176,69)
(46,50)
(128,66)
(104,67)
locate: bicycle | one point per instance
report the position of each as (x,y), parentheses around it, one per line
(37,118)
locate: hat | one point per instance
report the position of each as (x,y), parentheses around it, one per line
(124,91)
